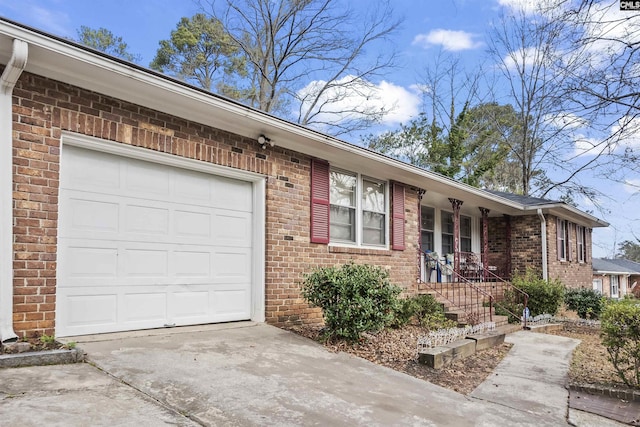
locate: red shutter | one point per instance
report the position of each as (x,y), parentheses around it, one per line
(319,201)
(397,230)
(559,237)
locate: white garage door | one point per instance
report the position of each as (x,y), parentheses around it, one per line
(144,245)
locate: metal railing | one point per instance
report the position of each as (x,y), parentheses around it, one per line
(473,277)
(462,294)
(506,296)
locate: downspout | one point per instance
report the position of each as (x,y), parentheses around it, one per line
(543,235)
(10,76)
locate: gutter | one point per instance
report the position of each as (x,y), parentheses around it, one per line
(10,76)
(543,233)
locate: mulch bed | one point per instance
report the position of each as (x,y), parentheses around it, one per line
(396,349)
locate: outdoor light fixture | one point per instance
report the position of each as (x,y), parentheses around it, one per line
(263,141)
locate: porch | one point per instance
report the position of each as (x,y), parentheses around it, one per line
(470,290)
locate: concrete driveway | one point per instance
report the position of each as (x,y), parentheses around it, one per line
(255,374)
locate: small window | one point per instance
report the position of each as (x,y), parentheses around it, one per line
(358,209)
(373,213)
(427,222)
(614,286)
(342,196)
(562,234)
(465,233)
(447,233)
(580,244)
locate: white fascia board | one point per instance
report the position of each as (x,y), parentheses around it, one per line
(565,211)
(63,61)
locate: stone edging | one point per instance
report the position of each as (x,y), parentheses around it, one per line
(39,358)
(629,395)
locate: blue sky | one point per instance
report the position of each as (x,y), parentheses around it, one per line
(457,28)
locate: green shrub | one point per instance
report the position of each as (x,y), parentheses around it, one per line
(511,305)
(423,309)
(620,326)
(353,298)
(588,303)
(545,297)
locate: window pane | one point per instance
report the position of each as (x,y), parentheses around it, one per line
(342,189)
(373,228)
(372,196)
(427,241)
(343,224)
(447,244)
(465,244)
(447,223)
(427,218)
(465,227)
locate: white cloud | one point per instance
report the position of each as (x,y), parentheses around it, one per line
(47,19)
(450,40)
(566,121)
(530,7)
(351,98)
(525,58)
(627,131)
(632,186)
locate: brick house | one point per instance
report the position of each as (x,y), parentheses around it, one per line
(130,200)
(616,277)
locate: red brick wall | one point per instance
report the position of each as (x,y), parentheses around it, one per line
(44,108)
(572,274)
(526,245)
(526,249)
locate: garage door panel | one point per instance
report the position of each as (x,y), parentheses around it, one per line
(144,245)
(145,263)
(189,224)
(146,219)
(97,172)
(230,302)
(189,304)
(147,307)
(92,216)
(232,266)
(232,194)
(193,187)
(92,310)
(192,264)
(143,178)
(232,229)
(87,262)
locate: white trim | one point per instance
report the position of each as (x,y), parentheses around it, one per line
(259,198)
(359,226)
(147,155)
(10,76)
(543,239)
(611,294)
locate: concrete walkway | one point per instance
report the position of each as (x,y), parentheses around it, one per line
(247,374)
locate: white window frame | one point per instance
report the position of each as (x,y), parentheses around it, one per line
(615,294)
(565,225)
(442,233)
(359,226)
(597,285)
(470,236)
(580,244)
(433,230)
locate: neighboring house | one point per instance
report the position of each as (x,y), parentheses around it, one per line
(131,200)
(616,277)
